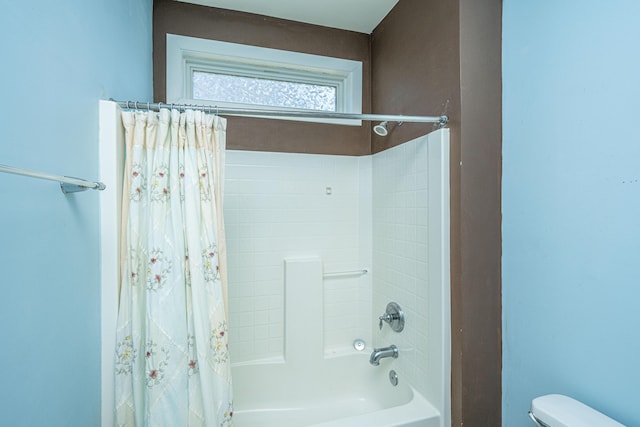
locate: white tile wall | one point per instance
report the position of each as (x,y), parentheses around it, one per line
(400,237)
(407,229)
(277,206)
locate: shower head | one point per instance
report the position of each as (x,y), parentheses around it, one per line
(381,129)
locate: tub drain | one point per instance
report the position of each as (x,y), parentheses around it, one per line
(359,344)
(393,377)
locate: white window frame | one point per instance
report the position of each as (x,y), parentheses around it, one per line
(188,54)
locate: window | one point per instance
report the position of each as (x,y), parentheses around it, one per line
(225,74)
(206,85)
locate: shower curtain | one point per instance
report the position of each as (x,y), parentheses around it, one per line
(172,359)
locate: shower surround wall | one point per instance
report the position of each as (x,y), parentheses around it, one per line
(411,259)
(280,205)
(346,211)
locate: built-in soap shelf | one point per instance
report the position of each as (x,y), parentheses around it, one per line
(345,273)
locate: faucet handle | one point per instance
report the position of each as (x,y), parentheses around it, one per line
(386,318)
(394,316)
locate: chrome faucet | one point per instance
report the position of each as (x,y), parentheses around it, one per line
(380,353)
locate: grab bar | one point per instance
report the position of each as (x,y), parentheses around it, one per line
(346,273)
(67,184)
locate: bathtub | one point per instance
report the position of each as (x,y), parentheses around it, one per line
(343,391)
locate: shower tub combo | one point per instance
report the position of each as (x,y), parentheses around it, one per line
(314,379)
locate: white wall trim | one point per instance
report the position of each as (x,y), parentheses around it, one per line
(183,52)
(111,161)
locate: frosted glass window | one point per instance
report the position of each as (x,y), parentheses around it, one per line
(259,91)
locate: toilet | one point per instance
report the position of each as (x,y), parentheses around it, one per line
(556,410)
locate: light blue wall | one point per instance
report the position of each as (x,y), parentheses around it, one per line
(58,59)
(571,205)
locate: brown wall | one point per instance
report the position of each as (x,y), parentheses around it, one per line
(479,308)
(416,68)
(432,57)
(237,27)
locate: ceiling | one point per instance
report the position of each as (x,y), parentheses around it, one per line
(355,15)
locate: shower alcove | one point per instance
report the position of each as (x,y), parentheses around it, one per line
(292,221)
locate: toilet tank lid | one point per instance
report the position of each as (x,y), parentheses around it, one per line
(557,410)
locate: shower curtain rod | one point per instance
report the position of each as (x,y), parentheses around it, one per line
(155,106)
(67,183)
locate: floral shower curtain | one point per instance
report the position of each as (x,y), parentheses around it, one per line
(172,360)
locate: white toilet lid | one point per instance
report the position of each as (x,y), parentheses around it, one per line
(556,410)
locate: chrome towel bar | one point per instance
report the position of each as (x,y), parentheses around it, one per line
(67,184)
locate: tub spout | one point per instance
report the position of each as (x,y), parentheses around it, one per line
(379,353)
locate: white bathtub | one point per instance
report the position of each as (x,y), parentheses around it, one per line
(343,391)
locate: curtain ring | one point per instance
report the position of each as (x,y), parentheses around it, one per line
(136,105)
(217,111)
(148,106)
(128,108)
